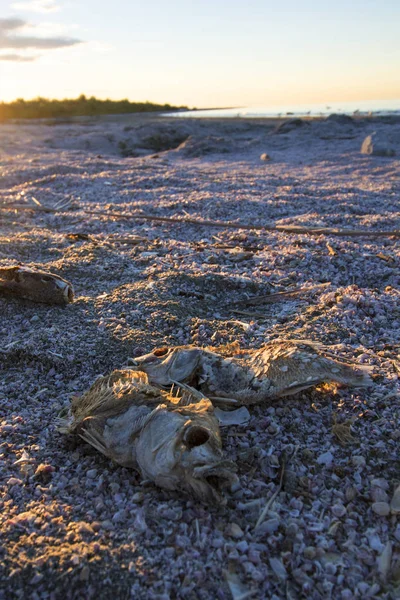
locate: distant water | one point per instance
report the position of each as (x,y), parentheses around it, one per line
(375,107)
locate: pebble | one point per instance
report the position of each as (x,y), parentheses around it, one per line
(233,530)
(381,508)
(325,459)
(338,510)
(395,503)
(358,461)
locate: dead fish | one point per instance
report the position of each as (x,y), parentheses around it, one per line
(280,368)
(172,440)
(36,285)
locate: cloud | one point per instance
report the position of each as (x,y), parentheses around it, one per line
(17,58)
(39,6)
(8,40)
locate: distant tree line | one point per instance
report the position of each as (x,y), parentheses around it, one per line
(42,108)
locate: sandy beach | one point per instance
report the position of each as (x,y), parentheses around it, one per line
(72,524)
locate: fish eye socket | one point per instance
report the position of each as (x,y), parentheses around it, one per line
(160,351)
(196,436)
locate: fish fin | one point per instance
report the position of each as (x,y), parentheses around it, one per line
(64,424)
(94,438)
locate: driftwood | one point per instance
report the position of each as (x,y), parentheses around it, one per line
(211,223)
(266,227)
(279,296)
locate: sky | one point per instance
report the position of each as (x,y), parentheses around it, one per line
(201,53)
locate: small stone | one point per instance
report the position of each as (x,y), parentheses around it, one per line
(44,473)
(291,530)
(107,525)
(358,462)
(309,552)
(233,530)
(379,495)
(138,497)
(380,483)
(381,508)
(265,156)
(270,526)
(91,474)
(325,459)
(242,546)
(14,481)
(384,561)
(395,503)
(84,574)
(339,510)
(350,493)
(34,319)
(212,260)
(278,568)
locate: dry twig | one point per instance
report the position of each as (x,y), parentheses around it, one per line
(230,225)
(271,298)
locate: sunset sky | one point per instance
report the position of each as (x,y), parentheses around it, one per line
(204,53)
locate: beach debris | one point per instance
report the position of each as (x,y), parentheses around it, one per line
(278,568)
(331,249)
(282,296)
(36,285)
(377,146)
(385,560)
(287,455)
(240,416)
(32,203)
(289,125)
(238,589)
(291,229)
(172,439)
(343,431)
(280,368)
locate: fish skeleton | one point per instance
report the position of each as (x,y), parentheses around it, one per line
(173,440)
(280,368)
(36,285)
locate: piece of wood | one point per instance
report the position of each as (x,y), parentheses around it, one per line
(225,224)
(279,296)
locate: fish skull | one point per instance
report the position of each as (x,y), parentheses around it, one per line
(183,451)
(165,366)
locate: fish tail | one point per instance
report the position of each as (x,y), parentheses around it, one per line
(350,374)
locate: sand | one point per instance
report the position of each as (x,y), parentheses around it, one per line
(74,525)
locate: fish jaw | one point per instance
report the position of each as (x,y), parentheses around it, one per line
(183,452)
(211,481)
(165,366)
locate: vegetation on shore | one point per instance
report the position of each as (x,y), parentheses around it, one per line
(43,108)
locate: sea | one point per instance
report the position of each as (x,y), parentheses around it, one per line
(367,107)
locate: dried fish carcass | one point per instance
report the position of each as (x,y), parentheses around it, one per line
(280,368)
(173,440)
(36,285)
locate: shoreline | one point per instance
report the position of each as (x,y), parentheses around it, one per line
(72,523)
